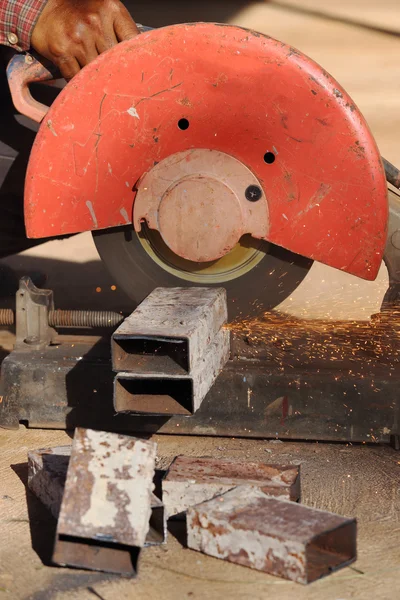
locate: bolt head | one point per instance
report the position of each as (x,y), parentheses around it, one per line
(253,193)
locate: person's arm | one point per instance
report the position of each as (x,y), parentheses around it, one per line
(70,33)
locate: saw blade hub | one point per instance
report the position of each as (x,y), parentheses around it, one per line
(201,202)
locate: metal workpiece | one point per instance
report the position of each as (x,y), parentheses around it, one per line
(157,533)
(159,393)
(105,514)
(170,331)
(278,537)
(47,472)
(190,481)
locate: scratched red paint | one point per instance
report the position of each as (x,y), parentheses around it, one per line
(243,94)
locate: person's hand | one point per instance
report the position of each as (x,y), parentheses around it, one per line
(72,33)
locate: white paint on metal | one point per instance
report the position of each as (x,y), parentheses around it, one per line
(125,215)
(133,112)
(109,488)
(102,512)
(92,213)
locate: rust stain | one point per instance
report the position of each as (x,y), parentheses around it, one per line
(185,102)
(222,78)
(358,150)
(351,106)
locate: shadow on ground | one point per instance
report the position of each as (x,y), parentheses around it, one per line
(43,530)
(157,13)
(81,286)
(42,524)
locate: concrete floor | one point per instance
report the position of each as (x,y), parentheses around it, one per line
(359,481)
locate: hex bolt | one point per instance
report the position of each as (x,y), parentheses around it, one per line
(253,193)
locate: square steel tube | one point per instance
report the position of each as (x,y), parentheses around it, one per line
(286,539)
(190,481)
(170,331)
(105,513)
(47,472)
(157,393)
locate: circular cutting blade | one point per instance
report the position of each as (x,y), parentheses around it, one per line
(257,276)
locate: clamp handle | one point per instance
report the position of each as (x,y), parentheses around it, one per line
(22,70)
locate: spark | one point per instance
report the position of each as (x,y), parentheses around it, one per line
(354,348)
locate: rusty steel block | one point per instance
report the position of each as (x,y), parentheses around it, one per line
(282,538)
(158,393)
(191,481)
(47,472)
(170,331)
(106,507)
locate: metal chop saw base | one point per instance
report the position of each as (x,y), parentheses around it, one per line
(71,385)
(285,386)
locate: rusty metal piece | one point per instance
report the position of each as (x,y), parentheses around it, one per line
(76,319)
(197,200)
(106,508)
(47,472)
(159,393)
(35,315)
(282,538)
(6,317)
(170,331)
(84,318)
(32,307)
(157,534)
(191,481)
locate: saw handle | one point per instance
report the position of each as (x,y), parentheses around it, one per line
(22,70)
